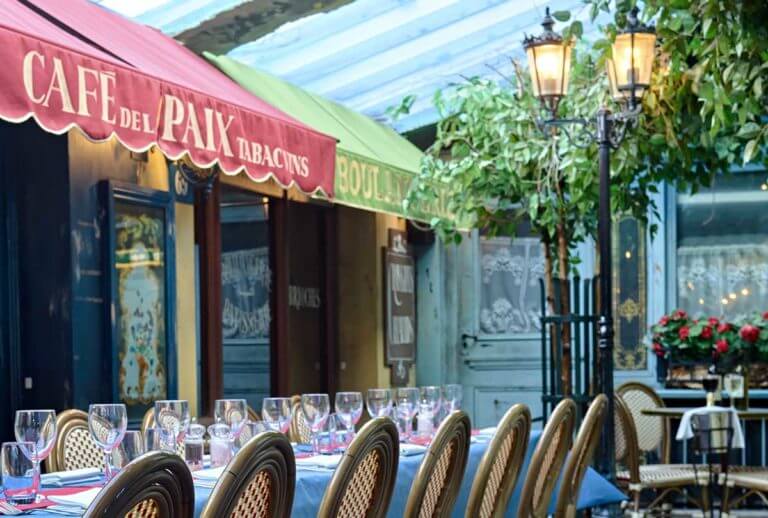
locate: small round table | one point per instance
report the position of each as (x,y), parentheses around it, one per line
(756,414)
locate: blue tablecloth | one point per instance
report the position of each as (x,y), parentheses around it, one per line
(311,484)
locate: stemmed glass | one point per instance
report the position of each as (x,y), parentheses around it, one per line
(406,401)
(276,413)
(38,427)
(107,423)
(316,409)
(233,412)
(349,409)
(453,394)
(379,402)
(171,419)
(130,448)
(430,401)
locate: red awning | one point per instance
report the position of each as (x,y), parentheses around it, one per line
(74,64)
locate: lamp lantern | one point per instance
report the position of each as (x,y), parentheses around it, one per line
(629,69)
(549,60)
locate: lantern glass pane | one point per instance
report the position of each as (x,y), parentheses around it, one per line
(633,63)
(549,66)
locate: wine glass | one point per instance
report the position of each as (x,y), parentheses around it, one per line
(172,419)
(316,409)
(430,401)
(379,402)
(107,423)
(233,412)
(349,409)
(453,394)
(38,427)
(406,401)
(276,413)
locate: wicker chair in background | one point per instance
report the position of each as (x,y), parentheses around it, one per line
(438,480)
(580,458)
(634,477)
(500,466)
(74,447)
(157,485)
(300,430)
(259,482)
(547,461)
(653,432)
(253,415)
(363,483)
(148,421)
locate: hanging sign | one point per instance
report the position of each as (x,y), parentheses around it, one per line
(399,305)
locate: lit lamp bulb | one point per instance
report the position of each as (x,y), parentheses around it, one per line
(549,62)
(631,64)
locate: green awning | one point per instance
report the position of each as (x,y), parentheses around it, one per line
(374,164)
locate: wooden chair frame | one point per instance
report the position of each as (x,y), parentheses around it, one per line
(664,441)
(500,466)
(378,436)
(159,479)
(580,458)
(148,421)
(541,479)
(66,422)
(453,433)
(267,453)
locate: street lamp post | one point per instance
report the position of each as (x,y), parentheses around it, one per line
(629,73)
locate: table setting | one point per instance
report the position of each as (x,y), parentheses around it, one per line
(416,411)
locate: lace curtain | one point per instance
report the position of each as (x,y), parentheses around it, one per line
(726,280)
(510,298)
(245,286)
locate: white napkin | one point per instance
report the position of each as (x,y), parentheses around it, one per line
(71,478)
(407,450)
(491,430)
(82,499)
(208,474)
(322,461)
(685,430)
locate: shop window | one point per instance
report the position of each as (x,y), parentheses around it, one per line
(722,247)
(510,293)
(629,299)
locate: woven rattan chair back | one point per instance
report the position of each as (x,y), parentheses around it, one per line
(499,468)
(300,430)
(437,482)
(581,456)
(74,447)
(148,421)
(653,432)
(156,485)
(625,438)
(253,415)
(258,482)
(547,461)
(363,483)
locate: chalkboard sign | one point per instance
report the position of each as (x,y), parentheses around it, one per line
(400,302)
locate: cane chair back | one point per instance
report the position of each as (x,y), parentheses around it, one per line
(300,430)
(653,432)
(627,452)
(148,421)
(499,468)
(258,482)
(437,482)
(547,461)
(581,456)
(156,485)
(363,483)
(253,415)
(74,447)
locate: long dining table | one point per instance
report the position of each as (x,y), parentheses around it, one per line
(311,482)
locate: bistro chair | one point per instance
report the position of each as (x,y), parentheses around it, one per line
(438,480)
(653,432)
(74,447)
(253,415)
(547,461)
(300,430)
(753,483)
(580,458)
(157,485)
(634,477)
(364,480)
(258,482)
(148,421)
(499,468)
